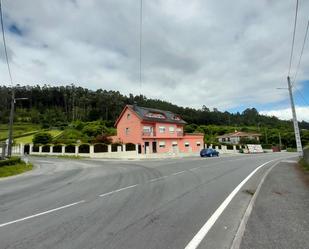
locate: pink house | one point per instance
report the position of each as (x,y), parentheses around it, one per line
(156,131)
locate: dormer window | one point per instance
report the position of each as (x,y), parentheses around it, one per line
(128,116)
(155,115)
(176,117)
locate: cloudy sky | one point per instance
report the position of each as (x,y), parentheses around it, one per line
(225,54)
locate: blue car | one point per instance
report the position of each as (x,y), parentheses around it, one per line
(209,152)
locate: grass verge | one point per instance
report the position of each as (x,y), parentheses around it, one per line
(303,164)
(15,169)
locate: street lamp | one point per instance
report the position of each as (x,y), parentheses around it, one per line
(10,138)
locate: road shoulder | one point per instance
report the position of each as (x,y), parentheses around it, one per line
(280,217)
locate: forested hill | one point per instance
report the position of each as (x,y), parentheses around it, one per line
(52,106)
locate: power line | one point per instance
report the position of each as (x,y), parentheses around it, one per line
(4,44)
(301,54)
(140,43)
(293,40)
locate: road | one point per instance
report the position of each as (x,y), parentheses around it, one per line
(126,204)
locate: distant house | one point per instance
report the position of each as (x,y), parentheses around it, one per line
(156,131)
(235,137)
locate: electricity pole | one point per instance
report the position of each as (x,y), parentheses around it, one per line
(10,138)
(295,123)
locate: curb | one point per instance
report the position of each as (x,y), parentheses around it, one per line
(242,226)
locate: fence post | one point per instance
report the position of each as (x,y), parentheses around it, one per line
(51,148)
(40,149)
(136,149)
(76,150)
(234,148)
(21,149)
(109,148)
(62,149)
(30,148)
(123,147)
(91,150)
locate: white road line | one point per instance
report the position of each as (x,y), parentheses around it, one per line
(118,190)
(177,173)
(195,168)
(40,214)
(197,239)
(157,179)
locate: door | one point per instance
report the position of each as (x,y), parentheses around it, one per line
(146,147)
(154,147)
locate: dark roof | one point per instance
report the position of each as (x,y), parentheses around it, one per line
(144,113)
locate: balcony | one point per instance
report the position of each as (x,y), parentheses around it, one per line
(148,133)
(179,134)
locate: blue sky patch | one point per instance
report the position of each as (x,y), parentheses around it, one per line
(15,30)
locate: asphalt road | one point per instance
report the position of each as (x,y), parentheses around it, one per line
(121,204)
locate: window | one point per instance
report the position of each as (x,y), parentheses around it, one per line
(172,129)
(174,144)
(176,117)
(127,131)
(179,130)
(128,116)
(187,144)
(162,144)
(155,115)
(223,139)
(198,143)
(162,129)
(147,129)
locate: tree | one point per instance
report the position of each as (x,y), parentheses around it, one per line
(42,138)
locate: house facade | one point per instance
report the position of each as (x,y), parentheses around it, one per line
(235,137)
(156,131)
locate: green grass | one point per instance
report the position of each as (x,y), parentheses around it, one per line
(19,129)
(291,149)
(303,164)
(28,139)
(15,169)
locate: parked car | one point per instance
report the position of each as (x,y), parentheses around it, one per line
(209,152)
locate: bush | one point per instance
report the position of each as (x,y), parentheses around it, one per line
(115,147)
(57,149)
(42,138)
(105,139)
(10,161)
(46,148)
(130,147)
(70,148)
(100,148)
(84,148)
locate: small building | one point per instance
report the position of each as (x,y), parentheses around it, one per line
(156,131)
(235,137)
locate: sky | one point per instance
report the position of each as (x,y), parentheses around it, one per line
(225,54)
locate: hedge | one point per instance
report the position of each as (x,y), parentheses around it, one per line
(11,161)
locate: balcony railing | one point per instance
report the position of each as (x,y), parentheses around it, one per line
(148,133)
(179,134)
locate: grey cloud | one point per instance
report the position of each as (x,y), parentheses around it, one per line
(219,53)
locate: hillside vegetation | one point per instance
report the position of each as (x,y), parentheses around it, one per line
(83,114)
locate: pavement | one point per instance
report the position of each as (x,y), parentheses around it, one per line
(130,204)
(280,217)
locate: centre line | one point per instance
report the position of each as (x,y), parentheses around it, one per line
(118,190)
(157,179)
(39,214)
(177,173)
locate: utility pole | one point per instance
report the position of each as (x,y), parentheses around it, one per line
(280,144)
(10,138)
(295,123)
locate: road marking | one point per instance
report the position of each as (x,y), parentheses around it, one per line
(157,179)
(197,239)
(40,214)
(195,168)
(118,190)
(178,173)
